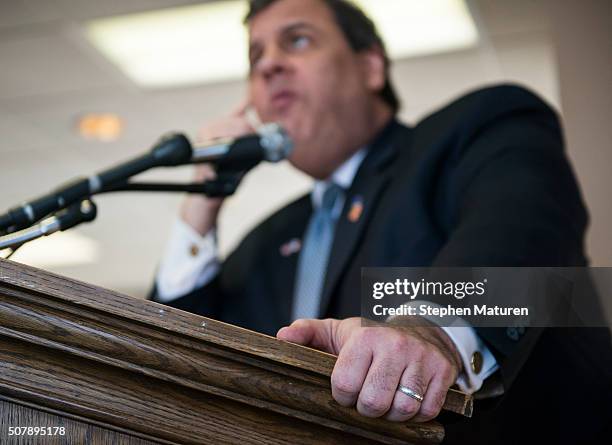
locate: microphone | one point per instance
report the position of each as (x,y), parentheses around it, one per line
(271,143)
(78,213)
(171,150)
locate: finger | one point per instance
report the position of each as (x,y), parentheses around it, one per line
(252,117)
(204,172)
(350,372)
(308,332)
(376,395)
(345,330)
(241,109)
(434,399)
(405,407)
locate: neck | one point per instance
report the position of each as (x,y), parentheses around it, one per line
(358,133)
(379,118)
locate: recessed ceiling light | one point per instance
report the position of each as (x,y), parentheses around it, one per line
(208,42)
(415,27)
(105,127)
(177,46)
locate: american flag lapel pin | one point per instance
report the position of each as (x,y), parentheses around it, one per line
(292,246)
(356,209)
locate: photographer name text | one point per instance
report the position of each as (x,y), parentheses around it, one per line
(450,311)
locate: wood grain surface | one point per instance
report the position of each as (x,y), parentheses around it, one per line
(157,372)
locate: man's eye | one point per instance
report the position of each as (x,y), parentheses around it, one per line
(254,58)
(299,42)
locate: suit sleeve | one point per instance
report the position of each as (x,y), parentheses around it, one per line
(511,199)
(189,281)
(205,300)
(211,298)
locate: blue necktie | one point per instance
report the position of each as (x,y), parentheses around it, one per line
(314,257)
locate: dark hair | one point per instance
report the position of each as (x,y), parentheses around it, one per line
(359,30)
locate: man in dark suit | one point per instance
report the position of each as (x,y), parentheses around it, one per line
(483,182)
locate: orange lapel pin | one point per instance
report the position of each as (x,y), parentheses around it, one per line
(356,209)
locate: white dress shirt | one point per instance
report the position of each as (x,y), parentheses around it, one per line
(191,261)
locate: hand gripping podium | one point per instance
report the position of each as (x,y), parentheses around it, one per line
(108,368)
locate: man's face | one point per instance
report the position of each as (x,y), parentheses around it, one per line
(305,76)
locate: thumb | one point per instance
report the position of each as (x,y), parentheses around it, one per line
(309,332)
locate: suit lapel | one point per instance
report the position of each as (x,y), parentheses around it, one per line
(348,234)
(369,184)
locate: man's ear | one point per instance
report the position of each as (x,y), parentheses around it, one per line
(373,63)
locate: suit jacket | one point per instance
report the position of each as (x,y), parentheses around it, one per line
(482,182)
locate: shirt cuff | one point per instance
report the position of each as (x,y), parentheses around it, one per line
(478,361)
(189,262)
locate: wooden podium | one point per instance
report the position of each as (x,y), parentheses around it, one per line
(108,368)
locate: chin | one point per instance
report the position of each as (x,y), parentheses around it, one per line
(295,123)
(290,127)
(309,164)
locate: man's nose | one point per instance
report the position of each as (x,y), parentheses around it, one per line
(272,62)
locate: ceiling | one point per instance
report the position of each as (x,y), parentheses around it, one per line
(50,75)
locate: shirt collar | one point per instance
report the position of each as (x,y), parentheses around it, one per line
(342,176)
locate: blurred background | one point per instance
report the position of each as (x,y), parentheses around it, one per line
(86,84)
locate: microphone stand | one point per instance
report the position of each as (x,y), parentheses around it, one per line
(225,184)
(232,160)
(76,214)
(171,150)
